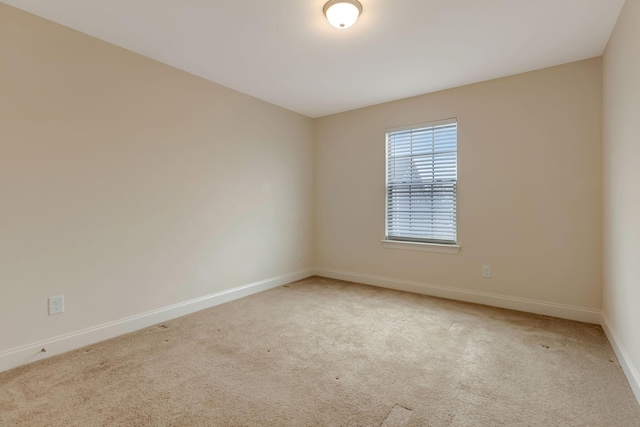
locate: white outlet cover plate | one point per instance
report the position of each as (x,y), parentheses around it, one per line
(56,305)
(486,271)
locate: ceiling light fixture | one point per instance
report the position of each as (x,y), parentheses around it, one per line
(342,13)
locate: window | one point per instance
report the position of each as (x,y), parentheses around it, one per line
(422,172)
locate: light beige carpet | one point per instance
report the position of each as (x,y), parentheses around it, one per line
(321,352)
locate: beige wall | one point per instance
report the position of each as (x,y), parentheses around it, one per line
(529,187)
(127,185)
(622,186)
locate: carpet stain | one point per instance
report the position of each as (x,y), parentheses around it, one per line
(100,367)
(398,417)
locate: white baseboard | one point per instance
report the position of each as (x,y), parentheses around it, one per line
(520,304)
(32,352)
(629,369)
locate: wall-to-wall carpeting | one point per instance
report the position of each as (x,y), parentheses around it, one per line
(322,352)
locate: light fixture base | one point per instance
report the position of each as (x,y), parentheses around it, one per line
(338,19)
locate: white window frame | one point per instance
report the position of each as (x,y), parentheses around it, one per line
(413,243)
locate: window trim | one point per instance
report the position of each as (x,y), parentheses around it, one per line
(409,244)
(441,248)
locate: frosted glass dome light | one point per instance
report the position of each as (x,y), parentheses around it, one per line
(342,14)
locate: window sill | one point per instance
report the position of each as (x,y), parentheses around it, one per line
(423,247)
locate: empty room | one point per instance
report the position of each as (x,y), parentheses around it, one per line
(320,213)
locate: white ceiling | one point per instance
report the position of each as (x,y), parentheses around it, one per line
(286,53)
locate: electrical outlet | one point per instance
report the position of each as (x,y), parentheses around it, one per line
(299,254)
(56,305)
(486,271)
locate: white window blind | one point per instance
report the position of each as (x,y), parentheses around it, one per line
(422,172)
